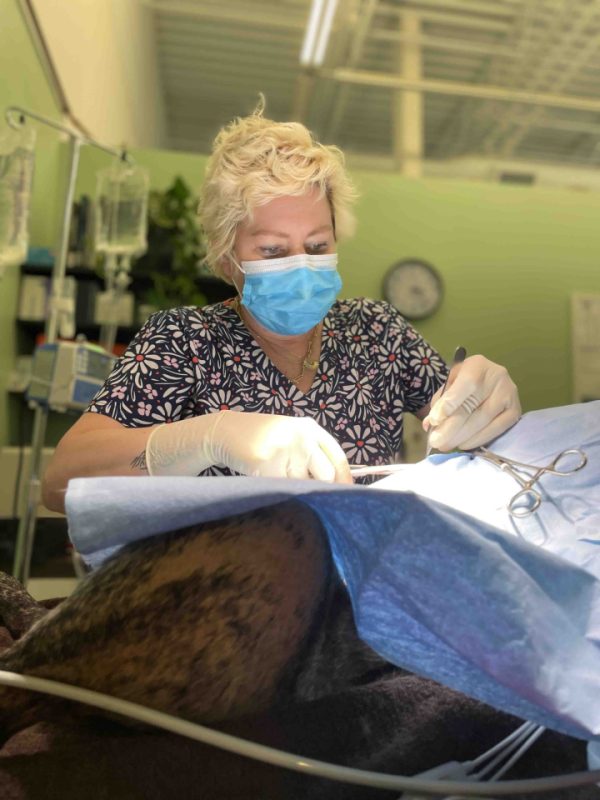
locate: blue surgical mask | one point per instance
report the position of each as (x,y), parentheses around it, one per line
(291,295)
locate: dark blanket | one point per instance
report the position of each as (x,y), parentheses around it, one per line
(396,723)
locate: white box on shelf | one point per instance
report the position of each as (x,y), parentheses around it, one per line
(33,298)
(110,309)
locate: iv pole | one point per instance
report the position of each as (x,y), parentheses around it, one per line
(15,117)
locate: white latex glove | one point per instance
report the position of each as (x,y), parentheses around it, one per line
(480,402)
(265,445)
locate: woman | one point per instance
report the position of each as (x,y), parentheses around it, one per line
(284,381)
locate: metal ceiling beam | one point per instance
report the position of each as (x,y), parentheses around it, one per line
(446,18)
(578,56)
(444,44)
(526,73)
(407,120)
(305,84)
(458,89)
(307,78)
(565,125)
(356,51)
(460,6)
(214,55)
(190,39)
(464,121)
(249,14)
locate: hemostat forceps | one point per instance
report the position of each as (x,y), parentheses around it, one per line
(358,471)
(528,499)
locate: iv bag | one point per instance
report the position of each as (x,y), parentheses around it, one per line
(16,177)
(121,210)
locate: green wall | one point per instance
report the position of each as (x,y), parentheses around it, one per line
(22,83)
(162,165)
(509,256)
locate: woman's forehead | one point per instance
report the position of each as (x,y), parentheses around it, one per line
(283,213)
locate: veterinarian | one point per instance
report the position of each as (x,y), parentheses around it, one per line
(285,380)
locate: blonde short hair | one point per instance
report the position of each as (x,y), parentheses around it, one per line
(255,160)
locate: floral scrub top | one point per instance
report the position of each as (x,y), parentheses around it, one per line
(188,361)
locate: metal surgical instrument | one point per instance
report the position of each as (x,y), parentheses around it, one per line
(528,499)
(459,356)
(358,471)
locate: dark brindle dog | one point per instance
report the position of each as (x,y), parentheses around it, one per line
(230,621)
(206,623)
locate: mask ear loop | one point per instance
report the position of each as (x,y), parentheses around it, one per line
(233,261)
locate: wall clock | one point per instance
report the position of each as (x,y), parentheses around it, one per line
(414,287)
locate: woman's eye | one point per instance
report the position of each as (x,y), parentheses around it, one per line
(319,247)
(270,252)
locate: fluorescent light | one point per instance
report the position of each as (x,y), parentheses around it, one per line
(323,40)
(311,32)
(317,32)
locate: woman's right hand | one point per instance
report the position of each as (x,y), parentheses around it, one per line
(265,445)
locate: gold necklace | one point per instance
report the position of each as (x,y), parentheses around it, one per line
(305,363)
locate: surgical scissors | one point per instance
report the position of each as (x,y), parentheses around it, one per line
(527,500)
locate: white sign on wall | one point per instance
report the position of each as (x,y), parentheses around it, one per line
(585,341)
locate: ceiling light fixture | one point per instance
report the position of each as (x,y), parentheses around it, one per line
(317,34)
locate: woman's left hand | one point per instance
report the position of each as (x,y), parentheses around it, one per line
(479,403)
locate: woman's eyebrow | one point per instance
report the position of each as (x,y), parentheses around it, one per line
(321,229)
(265,232)
(283,235)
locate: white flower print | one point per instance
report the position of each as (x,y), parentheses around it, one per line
(359,341)
(235,358)
(329,410)
(388,359)
(278,398)
(420,363)
(359,444)
(357,387)
(224,400)
(331,338)
(167,412)
(189,361)
(174,331)
(202,328)
(325,377)
(141,358)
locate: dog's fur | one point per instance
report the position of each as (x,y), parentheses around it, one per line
(240,624)
(205,623)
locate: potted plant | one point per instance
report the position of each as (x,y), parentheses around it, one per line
(167,274)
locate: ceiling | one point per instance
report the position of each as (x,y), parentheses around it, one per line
(511,79)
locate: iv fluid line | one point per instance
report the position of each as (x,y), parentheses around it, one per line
(280,758)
